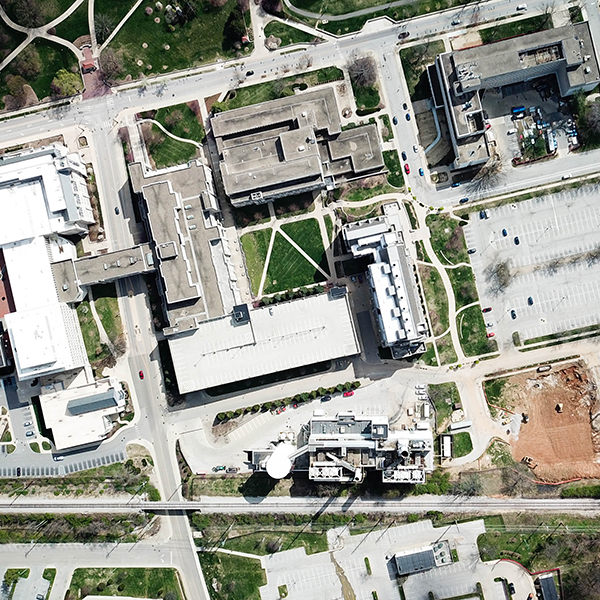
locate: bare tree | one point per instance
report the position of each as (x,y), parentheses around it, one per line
(363,71)
(488,176)
(592,117)
(499,277)
(111,66)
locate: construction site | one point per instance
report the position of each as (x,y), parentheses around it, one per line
(559,414)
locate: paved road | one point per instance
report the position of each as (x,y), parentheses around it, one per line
(309,505)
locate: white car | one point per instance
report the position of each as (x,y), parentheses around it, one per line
(59,458)
(420,386)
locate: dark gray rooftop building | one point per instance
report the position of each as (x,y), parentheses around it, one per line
(414,561)
(566,52)
(289,146)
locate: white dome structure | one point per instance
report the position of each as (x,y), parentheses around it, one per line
(279,464)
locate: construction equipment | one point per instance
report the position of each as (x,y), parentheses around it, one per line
(525,417)
(559,407)
(529,462)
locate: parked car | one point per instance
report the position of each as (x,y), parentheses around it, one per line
(30,433)
(511,588)
(482,214)
(504,232)
(463,200)
(348,394)
(117,211)
(530,301)
(326,398)
(455,22)
(27,424)
(360,279)
(403,35)
(403,155)
(421,172)
(395,120)
(58,458)
(18,471)
(141,374)
(249,73)
(456,184)
(517,241)
(487,309)
(218,468)
(415,149)
(408,116)
(406,168)
(489,324)
(491,334)
(232,469)
(405,106)
(513,314)
(471,251)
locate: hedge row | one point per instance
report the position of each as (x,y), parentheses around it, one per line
(297,399)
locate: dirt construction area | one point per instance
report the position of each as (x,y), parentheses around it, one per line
(564,445)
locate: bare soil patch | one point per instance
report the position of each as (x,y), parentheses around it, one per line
(562,444)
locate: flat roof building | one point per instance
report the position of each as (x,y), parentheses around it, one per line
(271,339)
(566,52)
(181,212)
(289,146)
(43,196)
(345,447)
(414,561)
(396,303)
(82,415)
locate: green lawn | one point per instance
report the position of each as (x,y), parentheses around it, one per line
(136,583)
(329,227)
(288,268)
(239,577)
(428,357)
(392,163)
(48,10)
(414,63)
(443,396)
(521,27)
(266,542)
(307,235)
(107,306)
(367,97)
(91,337)
(436,298)
(359,193)
(463,284)
(473,333)
(271,90)
(180,120)
(387,126)
(75,25)
(461,444)
(115,11)
(538,150)
(447,239)
(446,350)
(199,41)
(288,35)
(255,246)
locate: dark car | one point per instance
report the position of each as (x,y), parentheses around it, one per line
(455,184)
(248,73)
(408,116)
(482,214)
(504,232)
(395,120)
(406,169)
(403,155)
(421,172)
(517,242)
(486,309)
(141,374)
(463,200)
(326,398)
(18,471)
(232,469)
(405,106)
(530,301)
(117,211)
(471,251)
(511,588)
(403,35)
(513,314)
(218,468)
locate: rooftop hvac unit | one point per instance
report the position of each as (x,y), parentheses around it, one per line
(396,312)
(391,290)
(386,268)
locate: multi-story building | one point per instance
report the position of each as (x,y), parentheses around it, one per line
(391,276)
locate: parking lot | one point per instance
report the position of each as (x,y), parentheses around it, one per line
(550,247)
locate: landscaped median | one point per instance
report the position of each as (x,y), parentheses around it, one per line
(473,332)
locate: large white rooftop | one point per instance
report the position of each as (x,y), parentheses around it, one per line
(276,338)
(45,340)
(81,415)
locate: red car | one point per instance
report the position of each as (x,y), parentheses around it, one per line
(141,374)
(347,394)
(406,169)
(488,309)
(491,334)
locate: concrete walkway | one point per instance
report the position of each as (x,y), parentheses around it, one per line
(117,28)
(357,13)
(103,335)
